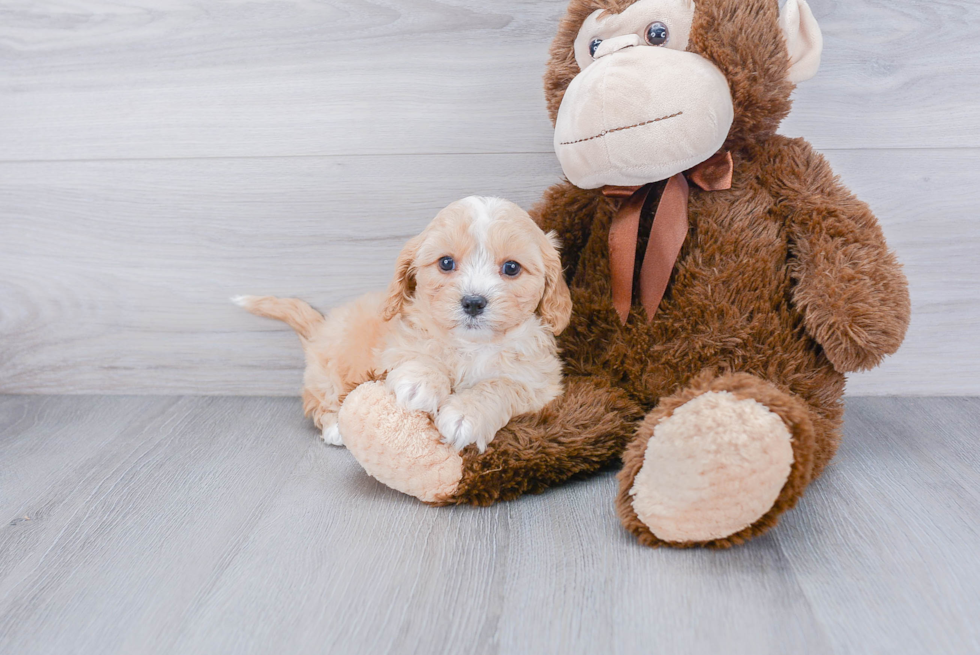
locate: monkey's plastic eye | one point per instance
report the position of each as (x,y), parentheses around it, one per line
(657,33)
(447,264)
(594,46)
(511,269)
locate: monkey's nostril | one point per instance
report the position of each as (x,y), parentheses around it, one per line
(473,305)
(615,44)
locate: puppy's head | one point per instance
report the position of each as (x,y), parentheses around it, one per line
(481,267)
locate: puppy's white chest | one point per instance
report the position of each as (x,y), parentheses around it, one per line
(478,362)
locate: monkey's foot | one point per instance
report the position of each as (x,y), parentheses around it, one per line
(399,448)
(713,467)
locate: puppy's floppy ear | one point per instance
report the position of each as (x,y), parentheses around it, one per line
(403,284)
(555,308)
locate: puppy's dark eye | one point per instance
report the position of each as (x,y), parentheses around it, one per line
(594,46)
(511,269)
(657,33)
(447,264)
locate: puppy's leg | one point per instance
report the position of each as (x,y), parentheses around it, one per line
(322,404)
(339,357)
(331,431)
(419,386)
(474,415)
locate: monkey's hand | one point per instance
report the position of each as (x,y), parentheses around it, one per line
(848,285)
(854,300)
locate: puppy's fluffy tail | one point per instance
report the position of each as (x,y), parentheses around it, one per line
(292,311)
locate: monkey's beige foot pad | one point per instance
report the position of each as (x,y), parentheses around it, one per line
(712,468)
(399,448)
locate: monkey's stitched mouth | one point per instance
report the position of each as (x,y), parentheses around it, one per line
(620,129)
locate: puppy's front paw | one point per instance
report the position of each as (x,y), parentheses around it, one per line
(329,430)
(331,435)
(414,394)
(460,430)
(454,427)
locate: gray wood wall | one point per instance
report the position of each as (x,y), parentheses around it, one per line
(159,156)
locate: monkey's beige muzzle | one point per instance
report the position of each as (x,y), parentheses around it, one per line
(640,115)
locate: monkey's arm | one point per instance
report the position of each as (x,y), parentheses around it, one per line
(848,284)
(570,212)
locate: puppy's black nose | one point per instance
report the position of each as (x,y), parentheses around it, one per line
(473,305)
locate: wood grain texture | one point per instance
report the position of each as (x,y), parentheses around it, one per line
(116,275)
(184,478)
(194,525)
(897,512)
(192,78)
(157,157)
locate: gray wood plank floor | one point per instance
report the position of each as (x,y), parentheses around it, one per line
(221,525)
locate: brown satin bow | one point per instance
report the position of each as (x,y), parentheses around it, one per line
(667,234)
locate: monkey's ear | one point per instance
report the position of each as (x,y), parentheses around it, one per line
(403,284)
(803,40)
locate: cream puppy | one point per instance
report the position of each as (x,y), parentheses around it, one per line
(466,331)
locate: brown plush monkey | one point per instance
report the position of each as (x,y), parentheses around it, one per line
(723,282)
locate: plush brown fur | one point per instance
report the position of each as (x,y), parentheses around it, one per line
(579,433)
(783,284)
